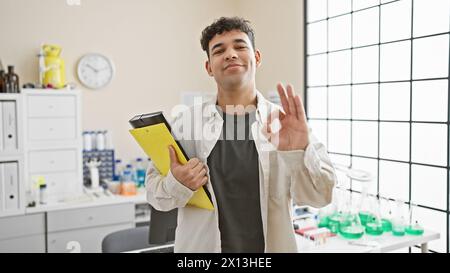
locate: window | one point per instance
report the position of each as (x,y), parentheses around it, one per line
(377,85)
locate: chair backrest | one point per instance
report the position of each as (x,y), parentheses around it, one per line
(126,240)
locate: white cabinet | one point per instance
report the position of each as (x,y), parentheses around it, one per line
(53,140)
(24,233)
(12,192)
(83,229)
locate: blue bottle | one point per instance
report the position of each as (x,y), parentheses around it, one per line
(140,173)
(118,169)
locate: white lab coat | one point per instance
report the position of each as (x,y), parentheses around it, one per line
(305,176)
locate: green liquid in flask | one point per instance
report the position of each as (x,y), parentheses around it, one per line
(334,221)
(374,229)
(386,224)
(352,232)
(324,222)
(365,217)
(398,231)
(414,230)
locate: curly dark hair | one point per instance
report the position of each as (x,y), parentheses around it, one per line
(225,24)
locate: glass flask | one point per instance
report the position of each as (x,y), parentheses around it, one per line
(413,227)
(374,225)
(335,216)
(386,214)
(365,207)
(350,226)
(399,221)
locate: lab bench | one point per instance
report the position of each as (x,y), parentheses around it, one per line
(367,244)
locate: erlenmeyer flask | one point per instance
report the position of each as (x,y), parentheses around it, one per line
(336,216)
(413,227)
(324,213)
(373,225)
(399,223)
(386,214)
(350,226)
(365,207)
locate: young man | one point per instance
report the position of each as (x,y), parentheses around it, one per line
(251,169)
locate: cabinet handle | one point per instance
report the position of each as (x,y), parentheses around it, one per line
(90,218)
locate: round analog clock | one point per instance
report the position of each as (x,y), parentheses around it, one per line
(95,70)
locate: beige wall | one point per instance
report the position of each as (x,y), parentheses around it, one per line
(154,45)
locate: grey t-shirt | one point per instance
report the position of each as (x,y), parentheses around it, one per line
(234,174)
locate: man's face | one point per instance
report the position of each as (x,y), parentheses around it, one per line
(232,59)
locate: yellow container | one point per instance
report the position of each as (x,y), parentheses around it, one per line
(55,70)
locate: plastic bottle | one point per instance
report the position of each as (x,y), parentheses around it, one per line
(133,172)
(94,139)
(87,141)
(43,194)
(108,140)
(140,173)
(128,186)
(118,170)
(100,140)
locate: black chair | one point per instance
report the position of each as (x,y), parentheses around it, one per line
(158,237)
(126,240)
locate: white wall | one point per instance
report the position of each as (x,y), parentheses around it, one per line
(154,45)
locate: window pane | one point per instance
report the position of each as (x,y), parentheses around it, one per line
(360,4)
(435,221)
(368,165)
(394,140)
(319,130)
(339,32)
(339,67)
(365,101)
(430,100)
(394,101)
(339,102)
(431,16)
(343,180)
(395,61)
(317,37)
(430,57)
(317,102)
(429,143)
(339,134)
(365,138)
(428,186)
(365,27)
(317,9)
(396,21)
(317,70)
(339,7)
(365,64)
(394,180)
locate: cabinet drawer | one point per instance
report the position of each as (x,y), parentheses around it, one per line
(85,240)
(25,244)
(90,217)
(51,106)
(51,129)
(52,161)
(23,225)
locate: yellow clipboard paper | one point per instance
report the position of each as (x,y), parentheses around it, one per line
(155,141)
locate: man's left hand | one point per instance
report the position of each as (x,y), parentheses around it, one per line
(293,134)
